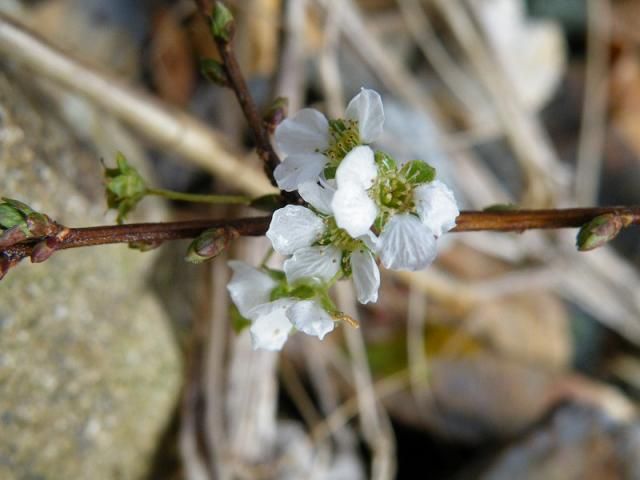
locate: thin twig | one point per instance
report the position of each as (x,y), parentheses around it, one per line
(155,233)
(239,86)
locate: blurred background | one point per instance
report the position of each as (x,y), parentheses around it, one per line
(513,356)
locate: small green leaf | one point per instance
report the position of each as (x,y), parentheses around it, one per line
(601,230)
(222,23)
(238,322)
(10,216)
(18,205)
(214,71)
(418,172)
(385,162)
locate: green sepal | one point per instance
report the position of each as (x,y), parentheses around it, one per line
(385,162)
(277,275)
(330,172)
(303,292)
(238,322)
(281,291)
(418,172)
(222,23)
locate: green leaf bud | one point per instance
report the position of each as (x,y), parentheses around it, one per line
(222,22)
(214,71)
(210,244)
(601,230)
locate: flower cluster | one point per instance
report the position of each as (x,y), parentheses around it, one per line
(361,204)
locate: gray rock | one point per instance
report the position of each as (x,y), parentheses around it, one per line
(89,369)
(578,443)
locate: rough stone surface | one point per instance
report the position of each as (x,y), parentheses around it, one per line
(89,370)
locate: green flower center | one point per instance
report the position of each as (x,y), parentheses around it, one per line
(338,237)
(393,193)
(345,136)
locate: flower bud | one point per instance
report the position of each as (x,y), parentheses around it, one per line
(601,230)
(124,187)
(210,244)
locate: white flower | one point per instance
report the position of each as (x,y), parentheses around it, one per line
(354,210)
(308,141)
(296,231)
(407,241)
(272,321)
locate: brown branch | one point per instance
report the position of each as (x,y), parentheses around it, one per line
(157,233)
(137,233)
(239,86)
(520,220)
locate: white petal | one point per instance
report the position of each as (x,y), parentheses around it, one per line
(354,210)
(358,167)
(366,276)
(406,244)
(369,239)
(436,207)
(366,108)
(306,132)
(317,263)
(318,196)
(294,227)
(270,327)
(249,287)
(299,168)
(310,318)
